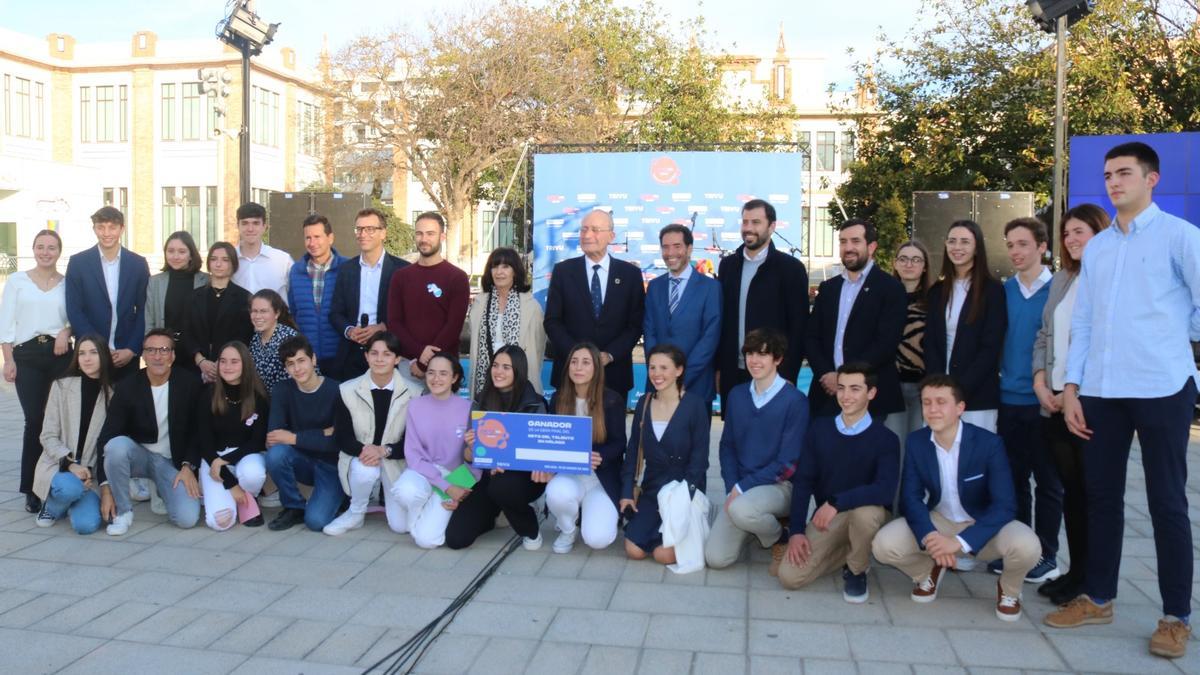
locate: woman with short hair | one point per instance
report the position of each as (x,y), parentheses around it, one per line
(505,313)
(273,326)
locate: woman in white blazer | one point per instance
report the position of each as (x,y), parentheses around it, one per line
(504,313)
(70,469)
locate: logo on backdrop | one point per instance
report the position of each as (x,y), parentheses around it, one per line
(664,170)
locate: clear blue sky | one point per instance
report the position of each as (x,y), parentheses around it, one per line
(809,25)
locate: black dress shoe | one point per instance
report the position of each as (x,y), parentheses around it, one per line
(256,521)
(287,519)
(1054,585)
(33,503)
(1065,594)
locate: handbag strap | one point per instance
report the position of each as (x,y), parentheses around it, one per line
(641,456)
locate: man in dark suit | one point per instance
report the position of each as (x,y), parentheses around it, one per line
(761,287)
(148,434)
(683,308)
(106,292)
(858,317)
(353,299)
(599,299)
(971,505)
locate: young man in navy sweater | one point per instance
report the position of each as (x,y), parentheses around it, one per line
(850,466)
(300,447)
(765,424)
(1020,417)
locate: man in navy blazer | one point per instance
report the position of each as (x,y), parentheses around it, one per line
(858,317)
(958,498)
(599,299)
(106,292)
(352,299)
(683,308)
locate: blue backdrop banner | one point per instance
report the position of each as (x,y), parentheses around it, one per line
(648,190)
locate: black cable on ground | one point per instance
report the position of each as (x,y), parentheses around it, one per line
(405,657)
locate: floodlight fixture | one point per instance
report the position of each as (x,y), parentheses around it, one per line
(243,28)
(1047,12)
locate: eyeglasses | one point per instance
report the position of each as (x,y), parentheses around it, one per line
(367,230)
(906,260)
(161,351)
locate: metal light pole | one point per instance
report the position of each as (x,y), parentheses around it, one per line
(243,30)
(244,130)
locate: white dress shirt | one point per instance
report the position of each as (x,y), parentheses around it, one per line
(368,289)
(27,311)
(112,278)
(603,272)
(268,269)
(958,298)
(950,505)
(1042,279)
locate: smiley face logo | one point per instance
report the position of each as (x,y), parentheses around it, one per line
(492,434)
(664,170)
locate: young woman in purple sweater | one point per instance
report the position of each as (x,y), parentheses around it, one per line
(433,447)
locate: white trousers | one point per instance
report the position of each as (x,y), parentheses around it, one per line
(423,510)
(362,482)
(567,495)
(220,508)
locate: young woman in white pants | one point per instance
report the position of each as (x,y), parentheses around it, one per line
(433,447)
(231,428)
(594,495)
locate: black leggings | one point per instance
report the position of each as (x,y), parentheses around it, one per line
(37,368)
(1067,450)
(510,492)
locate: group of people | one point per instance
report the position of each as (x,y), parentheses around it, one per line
(934,400)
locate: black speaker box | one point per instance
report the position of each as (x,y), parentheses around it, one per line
(289,209)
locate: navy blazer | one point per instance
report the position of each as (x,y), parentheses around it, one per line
(612,450)
(873,332)
(569,319)
(777,298)
(985,485)
(88,307)
(682,454)
(695,327)
(343,311)
(978,345)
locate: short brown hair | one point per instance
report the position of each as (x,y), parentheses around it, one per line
(1034,225)
(432,215)
(108,214)
(229,251)
(372,212)
(185,238)
(765,341)
(939,381)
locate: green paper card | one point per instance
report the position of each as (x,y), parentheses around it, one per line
(461,477)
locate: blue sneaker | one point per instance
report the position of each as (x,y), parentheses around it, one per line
(855,590)
(1045,570)
(996,566)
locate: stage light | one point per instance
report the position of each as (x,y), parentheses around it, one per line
(1046,12)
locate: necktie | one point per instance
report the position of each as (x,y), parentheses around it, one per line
(596,300)
(673,300)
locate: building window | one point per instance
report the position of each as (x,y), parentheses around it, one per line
(39,109)
(825,150)
(414,217)
(168,212)
(8,104)
(780,81)
(20,108)
(190,204)
(123,116)
(804,138)
(118,197)
(805,228)
(847,149)
(264,114)
(823,234)
(167,113)
(190,126)
(85,114)
(210,214)
(105,114)
(308,120)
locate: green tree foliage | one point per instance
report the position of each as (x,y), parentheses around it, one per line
(967,103)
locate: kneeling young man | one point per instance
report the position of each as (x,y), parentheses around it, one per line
(765,422)
(850,466)
(970,508)
(300,443)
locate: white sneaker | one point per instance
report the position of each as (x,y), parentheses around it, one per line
(344,523)
(157,505)
(120,524)
(270,501)
(139,489)
(565,541)
(532,544)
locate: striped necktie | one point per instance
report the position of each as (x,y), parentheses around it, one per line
(673,301)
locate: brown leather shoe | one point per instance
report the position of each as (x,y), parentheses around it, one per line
(1170,638)
(1008,607)
(927,589)
(777,551)
(1079,612)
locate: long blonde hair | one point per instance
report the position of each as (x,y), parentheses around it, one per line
(595,392)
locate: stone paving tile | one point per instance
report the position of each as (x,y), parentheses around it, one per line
(806,605)
(665,662)
(119,619)
(298,571)
(719,664)
(775,665)
(83,580)
(696,633)
(996,648)
(224,594)
(162,625)
(298,639)
(602,660)
(261,665)
(599,627)
(450,655)
(250,635)
(36,610)
(347,644)
(400,611)
(883,668)
(585,594)
(77,614)
(26,651)
(503,656)
(564,566)
(15,541)
(75,549)
(15,573)
(208,627)
(325,604)
(185,560)
(793,638)
(503,620)
(553,658)
(691,600)
(159,587)
(911,645)
(114,658)
(1110,654)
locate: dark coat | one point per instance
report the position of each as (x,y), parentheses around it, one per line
(978,345)
(344,311)
(131,413)
(232,322)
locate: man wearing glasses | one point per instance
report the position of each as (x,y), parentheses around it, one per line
(599,299)
(360,298)
(147,434)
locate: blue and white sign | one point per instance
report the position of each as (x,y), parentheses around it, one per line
(523,442)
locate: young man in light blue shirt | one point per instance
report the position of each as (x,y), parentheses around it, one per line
(1130,368)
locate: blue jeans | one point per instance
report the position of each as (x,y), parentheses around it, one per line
(124,458)
(289,467)
(68,496)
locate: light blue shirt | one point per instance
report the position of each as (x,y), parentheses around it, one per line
(854,429)
(1137,308)
(683,280)
(846,300)
(764,398)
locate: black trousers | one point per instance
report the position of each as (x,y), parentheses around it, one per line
(1041,508)
(1162,425)
(1067,450)
(37,368)
(509,492)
